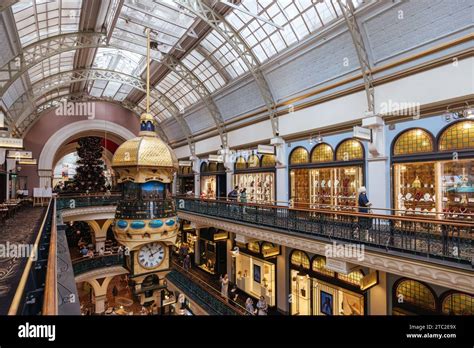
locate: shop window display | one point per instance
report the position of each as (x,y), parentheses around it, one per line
(208,187)
(321,185)
(442,185)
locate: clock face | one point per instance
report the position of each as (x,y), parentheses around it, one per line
(151,255)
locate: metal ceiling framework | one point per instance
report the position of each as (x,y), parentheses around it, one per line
(182,71)
(220,25)
(348,11)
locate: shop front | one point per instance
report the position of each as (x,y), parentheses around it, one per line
(257,176)
(185,182)
(255,269)
(213,251)
(434,176)
(322,178)
(213,180)
(186,240)
(316,290)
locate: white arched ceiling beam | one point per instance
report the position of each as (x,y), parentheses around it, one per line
(193,81)
(55,82)
(347,8)
(219,24)
(44,49)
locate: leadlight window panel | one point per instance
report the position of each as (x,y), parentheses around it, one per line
(413,141)
(299,156)
(268,161)
(349,150)
(319,265)
(416,293)
(267,246)
(254,246)
(204,167)
(300,259)
(458,304)
(241,163)
(353,278)
(322,153)
(459,136)
(213,167)
(253,161)
(40,19)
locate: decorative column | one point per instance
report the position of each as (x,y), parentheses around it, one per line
(100,303)
(45,178)
(377,175)
(229,163)
(197,251)
(197,178)
(174,189)
(99,243)
(281,176)
(283,281)
(11,165)
(378,296)
(230,259)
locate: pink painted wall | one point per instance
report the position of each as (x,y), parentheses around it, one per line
(49,123)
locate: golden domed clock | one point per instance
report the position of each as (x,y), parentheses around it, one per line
(145,220)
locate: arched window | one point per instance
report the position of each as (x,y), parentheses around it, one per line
(254,246)
(319,266)
(253,161)
(353,278)
(413,141)
(240,164)
(322,153)
(204,167)
(417,294)
(349,150)
(268,161)
(459,136)
(458,303)
(299,259)
(213,167)
(299,156)
(220,167)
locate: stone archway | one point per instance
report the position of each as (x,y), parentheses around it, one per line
(58,139)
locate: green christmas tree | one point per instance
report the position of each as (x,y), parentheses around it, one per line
(90,167)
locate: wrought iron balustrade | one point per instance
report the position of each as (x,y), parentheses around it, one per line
(77,201)
(421,236)
(87,264)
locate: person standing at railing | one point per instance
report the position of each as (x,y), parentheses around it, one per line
(249,306)
(225,286)
(243,198)
(233,197)
(364,207)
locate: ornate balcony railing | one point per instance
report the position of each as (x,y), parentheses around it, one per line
(87,264)
(78,201)
(434,239)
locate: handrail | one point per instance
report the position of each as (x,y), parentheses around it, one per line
(201,281)
(50,304)
(337,212)
(13,310)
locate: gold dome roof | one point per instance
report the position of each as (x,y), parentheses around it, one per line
(145,151)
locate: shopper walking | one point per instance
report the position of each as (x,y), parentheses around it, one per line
(224,286)
(249,307)
(187,262)
(262,306)
(364,207)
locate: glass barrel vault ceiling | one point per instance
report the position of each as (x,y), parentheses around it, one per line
(213,61)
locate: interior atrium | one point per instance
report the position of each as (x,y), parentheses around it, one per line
(237,158)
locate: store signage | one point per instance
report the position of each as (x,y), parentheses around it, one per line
(31,161)
(19,154)
(266,149)
(220,236)
(216,158)
(339,266)
(369,281)
(271,252)
(11,143)
(362,133)
(185,163)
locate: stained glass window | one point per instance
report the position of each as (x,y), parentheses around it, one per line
(322,153)
(349,150)
(268,161)
(415,293)
(300,259)
(353,278)
(213,167)
(458,304)
(254,246)
(319,266)
(240,164)
(459,136)
(253,161)
(204,167)
(413,141)
(299,156)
